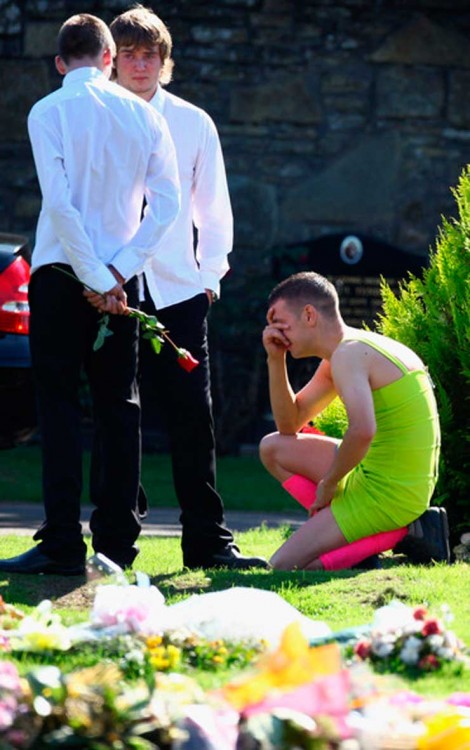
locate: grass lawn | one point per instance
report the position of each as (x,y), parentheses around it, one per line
(341,599)
(242,481)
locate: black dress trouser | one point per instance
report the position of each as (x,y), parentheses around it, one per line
(62,333)
(184,401)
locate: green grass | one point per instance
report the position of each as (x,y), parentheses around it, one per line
(242,481)
(341,599)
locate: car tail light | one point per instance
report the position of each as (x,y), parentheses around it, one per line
(14,308)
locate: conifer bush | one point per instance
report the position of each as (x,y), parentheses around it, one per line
(431,314)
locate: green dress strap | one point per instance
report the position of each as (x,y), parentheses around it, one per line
(375,345)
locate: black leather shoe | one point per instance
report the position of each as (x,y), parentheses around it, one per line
(427,540)
(34,561)
(372,562)
(230,557)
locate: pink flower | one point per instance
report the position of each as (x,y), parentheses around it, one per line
(9,677)
(431,627)
(186,360)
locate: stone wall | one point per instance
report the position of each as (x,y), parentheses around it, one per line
(334,116)
(348,116)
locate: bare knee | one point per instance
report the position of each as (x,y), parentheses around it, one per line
(282,561)
(268,452)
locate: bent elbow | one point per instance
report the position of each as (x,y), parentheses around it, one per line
(364,434)
(286,429)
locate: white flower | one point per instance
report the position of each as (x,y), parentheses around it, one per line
(447,615)
(410,652)
(445,653)
(393,617)
(41,631)
(435,641)
(383,646)
(451,640)
(139,608)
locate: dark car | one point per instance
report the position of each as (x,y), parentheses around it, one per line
(17,404)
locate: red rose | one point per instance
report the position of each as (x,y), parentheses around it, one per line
(431,627)
(362,649)
(420,613)
(429,663)
(186,360)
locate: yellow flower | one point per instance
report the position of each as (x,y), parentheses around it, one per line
(159,662)
(153,641)
(294,663)
(174,654)
(445,731)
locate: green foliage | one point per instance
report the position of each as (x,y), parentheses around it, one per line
(431,315)
(333,420)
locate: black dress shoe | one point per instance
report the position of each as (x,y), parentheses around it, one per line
(372,562)
(34,561)
(229,557)
(427,540)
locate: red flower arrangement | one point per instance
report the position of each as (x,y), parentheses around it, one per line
(403,638)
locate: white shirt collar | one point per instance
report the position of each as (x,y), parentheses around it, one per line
(82,74)
(158,100)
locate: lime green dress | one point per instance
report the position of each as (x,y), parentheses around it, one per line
(394,482)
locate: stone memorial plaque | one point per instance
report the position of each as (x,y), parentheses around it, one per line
(354,263)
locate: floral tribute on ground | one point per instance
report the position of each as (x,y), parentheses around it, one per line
(135,687)
(403,639)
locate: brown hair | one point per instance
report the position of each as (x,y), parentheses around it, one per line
(141,27)
(307,288)
(83,35)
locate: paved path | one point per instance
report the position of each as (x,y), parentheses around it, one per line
(25,518)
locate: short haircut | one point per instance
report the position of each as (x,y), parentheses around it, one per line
(307,288)
(141,27)
(83,35)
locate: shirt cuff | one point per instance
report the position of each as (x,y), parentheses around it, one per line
(100,281)
(211,281)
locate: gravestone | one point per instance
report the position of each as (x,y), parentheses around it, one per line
(355,264)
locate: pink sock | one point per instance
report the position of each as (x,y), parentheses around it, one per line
(302,489)
(305,492)
(350,554)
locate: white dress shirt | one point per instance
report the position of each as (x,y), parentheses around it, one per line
(98,148)
(182,267)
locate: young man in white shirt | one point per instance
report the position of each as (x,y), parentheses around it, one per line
(98,150)
(181,284)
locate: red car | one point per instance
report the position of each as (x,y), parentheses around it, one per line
(17,404)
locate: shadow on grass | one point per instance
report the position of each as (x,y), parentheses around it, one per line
(201,581)
(77,593)
(30,590)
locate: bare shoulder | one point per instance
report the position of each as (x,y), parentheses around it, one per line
(347,352)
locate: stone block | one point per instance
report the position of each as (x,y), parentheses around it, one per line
(459,100)
(278,100)
(255,211)
(360,185)
(405,92)
(424,42)
(22,83)
(40,39)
